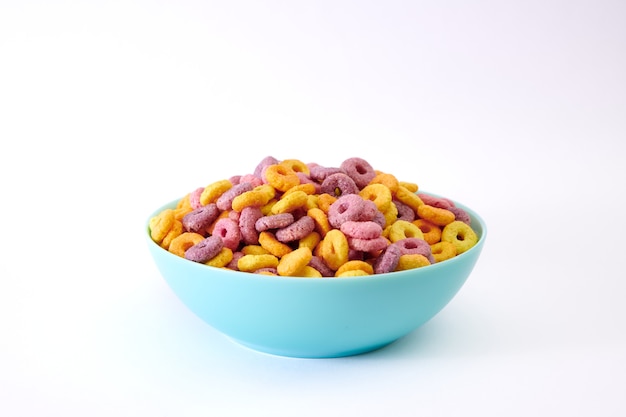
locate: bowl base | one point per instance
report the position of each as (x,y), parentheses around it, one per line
(309,354)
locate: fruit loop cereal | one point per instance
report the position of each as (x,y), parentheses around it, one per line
(291,218)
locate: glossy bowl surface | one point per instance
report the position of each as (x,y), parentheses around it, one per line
(315,317)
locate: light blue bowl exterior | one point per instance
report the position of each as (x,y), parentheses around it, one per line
(315,317)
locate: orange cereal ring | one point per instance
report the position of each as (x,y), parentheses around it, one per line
(411,261)
(213,191)
(308,188)
(408,197)
(443,250)
(435,215)
(378,193)
(251,263)
(411,186)
(386,179)
(334,249)
(325,200)
(184,241)
(355,265)
(294,261)
(281,177)
(432,232)
(277,248)
(175,231)
(296,165)
(402,229)
(310,241)
(290,202)
(161,224)
(222,259)
(181,212)
(460,235)
(322,226)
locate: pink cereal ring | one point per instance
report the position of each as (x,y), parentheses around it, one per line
(461,215)
(228,230)
(252,179)
(225,201)
(439,202)
(274,221)
(361,230)
(359,170)
(319,173)
(351,207)
(388,260)
(247,221)
(194,198)
(339,184)
(265,162)
(368,245)
(199,220)
(296,230)
(204,250)
(414,245)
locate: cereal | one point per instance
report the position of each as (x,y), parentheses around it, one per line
(213,191)
(200,219)
(291,263)
(443,250)
(247,225)
(228,230)
(436,215)
(225,201)
(204,250)
(402,229)
(269,242)
(222,259)
(334,249)
(387,260)
(251,263)
(378,193)
(410,261)
(460,235)
(431,232)
(161,224)
(355,265)
(296,230)
(351,207)
(359,170)
(281,177)
(290,202)
(339,184)
(361,230)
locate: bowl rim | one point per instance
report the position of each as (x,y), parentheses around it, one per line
(482,234)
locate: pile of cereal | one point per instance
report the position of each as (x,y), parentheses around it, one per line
(290,218)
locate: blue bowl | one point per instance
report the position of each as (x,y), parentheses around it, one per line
(315,317)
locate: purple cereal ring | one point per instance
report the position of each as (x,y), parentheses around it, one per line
(387,261)
(405,212)
(351,207)
(204,250)
(319,264)
(274,221)
(265,162)
(228,230)
(247,220)
(368,245)
(296,230)
(225,201)
(414,245)
(194,198)
(252,179)
(235,179)
(361,230)
(380,219)
(306,179)
(461,215)
(339,184)
(439,202)
(200,219)
(359,170)
(319,173)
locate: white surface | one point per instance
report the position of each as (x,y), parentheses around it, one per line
(109,109)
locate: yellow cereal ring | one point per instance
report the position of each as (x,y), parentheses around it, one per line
(325,200)
(256,197)
(266,209)
(402,229)
(184,241)
(411,261)
(307,188)
(443,250)
(310,241)
(290,202)
(294,261)
(311,202)
(391,214)
(254,250)
(408,197)
(334,249)
(184,202)
(322,226)
(411,186)
(281,177)
(352,273)
(307,271)
(161,224)
(435,215)
(175,231)
(432,232)
(277,248)
(296,165)
(221,259)
(378,193)
(460,235)
(250,263)
(386,179)
(213,191)
(355,265)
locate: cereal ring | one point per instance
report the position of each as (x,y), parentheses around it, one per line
(290,202)
(305,179)
(359,170)
(351,207)
(184,241)
(200,219)
(254,250)
(161,224)
(194,198)
(228,230)
(266,271)
(204,250)
(274,221)
(387,260)
(339,184)
(412,245)
(251,263)
(386,179)
(401,229)
(460,235)
(319,265)
(296,166)
(431,232)
(319,173)
(324,201)
(308,188)
(461,215)
(352,273)
(379,194)
(408,197)
(334,249)
(443,250)
(411,186)
(296,230)
(222,259)
(411,261)
(222,215)
(225,201)
(404,212)
(310,241)
(439,202)
(247,225)
(435,215)
(368,245)
(277,248)
(321,220)
(308,271)
(389,216)
(257,197)
(294,261)
(355,265)
(175,231)
(213,191)
(233,262)
(281,177)
(265,162)
(184,202)
(361,230)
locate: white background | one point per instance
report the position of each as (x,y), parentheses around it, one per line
(109,109)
